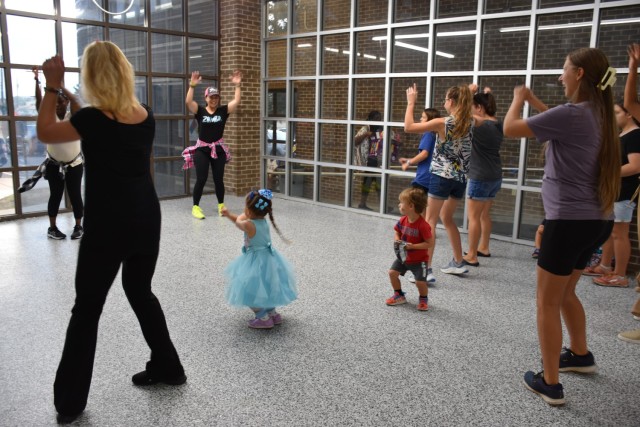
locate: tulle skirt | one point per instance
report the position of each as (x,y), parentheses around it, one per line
(260,278)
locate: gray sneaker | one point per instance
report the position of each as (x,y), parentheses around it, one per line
(455,268)
(430,277)
(78,231)
(54,233)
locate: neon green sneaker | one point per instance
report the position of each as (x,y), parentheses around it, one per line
(220,206)
(197,212)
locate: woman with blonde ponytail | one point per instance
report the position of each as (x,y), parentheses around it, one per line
(580,185)
(449,166)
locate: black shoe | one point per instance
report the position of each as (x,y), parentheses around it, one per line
(571,362)
(54,233)
(147,378)
(552,394)
(67,419)
(78,231)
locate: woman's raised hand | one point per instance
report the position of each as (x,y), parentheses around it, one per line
(53,70)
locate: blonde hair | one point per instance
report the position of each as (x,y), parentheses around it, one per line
(108,79)
(595,64)
(414,196)
(463,100)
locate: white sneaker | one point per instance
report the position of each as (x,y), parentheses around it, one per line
(430,277)
(410,277)
(455,268)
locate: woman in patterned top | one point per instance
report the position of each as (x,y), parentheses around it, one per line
(449,166)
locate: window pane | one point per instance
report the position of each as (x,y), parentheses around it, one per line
(303,140)
(169,178)
(277,18)
(454,46)
(133,16)
(304,57)
(369,152)
(393,144)
(75,37)
(556,3)
(411,49)
(371,48)
(7,199)
(333,143)
(365,190)
(302,182)
(141,90)
(36,199)
(336,14)
(24,101)
(451,8)
(617,28)
(410,10)
(275,138)
(167,53)
(169,140)
(3,94)
(72,9)
(332,185)
(167,15)
(335,54)
(274,175)
(276,99)
(202,17)
(5,150)
(276,58)
(31,152)
(503,211)
(399,97)
(439,88)
(500,6)
(305,16)
(370,12)
(133,45)
(572,29)
(334,99)
(168,95)
(22,29)
(368,95)
(395,185)
(304,98)
(531,215)
(39,6)
(203,56)
(502,90)
(499,35)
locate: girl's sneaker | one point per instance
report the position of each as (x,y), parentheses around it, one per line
(258,323)
(552,394)
(277,319)
(571,362)
(536,253)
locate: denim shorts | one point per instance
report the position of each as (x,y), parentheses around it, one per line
(443,188)
(482,191)
(623,210)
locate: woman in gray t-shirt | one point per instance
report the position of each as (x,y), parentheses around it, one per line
(580,184)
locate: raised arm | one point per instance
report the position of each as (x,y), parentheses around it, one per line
(410,126)
(49,131)
(36,77)
(73,100)
(630,93)
(514,125)
(241,221)
(236,80)
(192,105)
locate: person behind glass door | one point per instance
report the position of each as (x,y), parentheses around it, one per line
(122,219)
(368,142)
(485,176)
(580,185)
(449,166)
(210,148)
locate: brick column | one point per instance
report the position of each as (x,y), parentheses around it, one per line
(240,35)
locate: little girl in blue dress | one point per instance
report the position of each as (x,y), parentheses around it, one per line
(261,278)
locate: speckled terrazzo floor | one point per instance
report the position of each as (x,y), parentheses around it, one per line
(342,357)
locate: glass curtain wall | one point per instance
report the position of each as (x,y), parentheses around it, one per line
(163,39)
(328,64)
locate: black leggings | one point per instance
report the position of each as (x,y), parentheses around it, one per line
(99,260)
(73,182)
(201,159)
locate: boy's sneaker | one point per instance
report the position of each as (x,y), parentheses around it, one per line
(220,207)
(571,362)
(455,268)
(396,299)
(423,305)
(54,233)
(536,253)
(197,212)
(258,323)
(611,281)
(552,394)
(78,231)
(630,336)
(430,277)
